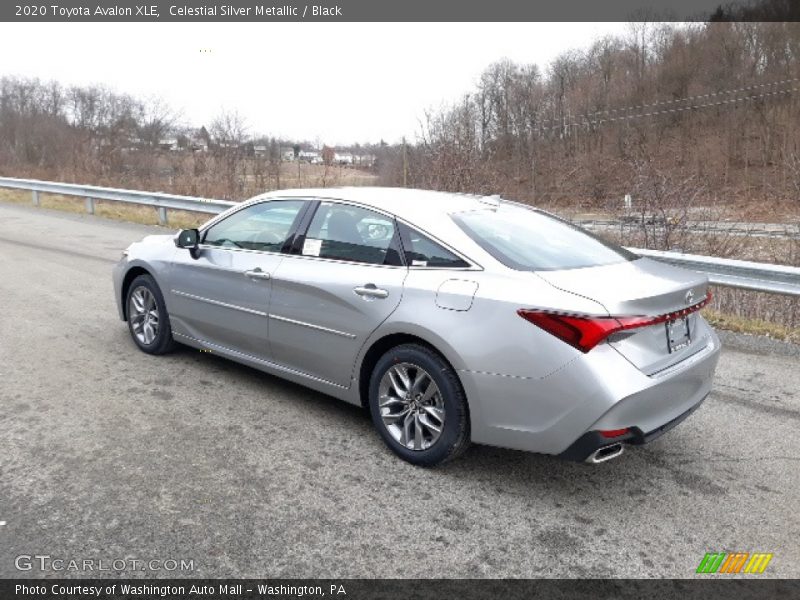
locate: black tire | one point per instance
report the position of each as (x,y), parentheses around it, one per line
(163,341)
(454,438)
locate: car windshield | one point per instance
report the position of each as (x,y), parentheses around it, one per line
(529,240)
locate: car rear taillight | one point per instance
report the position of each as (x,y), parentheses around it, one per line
(585,332)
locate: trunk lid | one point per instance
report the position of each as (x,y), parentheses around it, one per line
(643,287)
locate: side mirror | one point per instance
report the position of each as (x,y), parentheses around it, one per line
(189,239)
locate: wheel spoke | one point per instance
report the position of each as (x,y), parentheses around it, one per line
(426,422)
(430,391)
(387,400)
(399,390)
(402,372)
(436,413)
(137,299)
(407,422)
(137,329)
(419,381)
(390,418)
(418,435)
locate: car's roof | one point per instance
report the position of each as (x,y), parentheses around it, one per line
(421,207)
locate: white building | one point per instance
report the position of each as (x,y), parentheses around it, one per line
(308,155)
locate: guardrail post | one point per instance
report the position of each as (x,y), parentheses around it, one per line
(90,205)
(35,197)
(162,215)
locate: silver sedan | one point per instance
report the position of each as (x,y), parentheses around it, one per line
(452,318)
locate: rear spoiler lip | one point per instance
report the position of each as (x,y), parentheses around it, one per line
(663,317)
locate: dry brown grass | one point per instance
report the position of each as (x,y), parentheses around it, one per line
(753,326)
(300,175)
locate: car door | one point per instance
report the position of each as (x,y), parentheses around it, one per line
(344,279)
(221,295)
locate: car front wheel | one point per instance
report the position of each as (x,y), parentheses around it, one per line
(148,321)
(418,405)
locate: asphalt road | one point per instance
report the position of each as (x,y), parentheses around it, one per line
(108,453)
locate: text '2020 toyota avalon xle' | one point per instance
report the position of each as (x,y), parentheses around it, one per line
(453,318)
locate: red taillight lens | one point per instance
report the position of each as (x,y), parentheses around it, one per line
(612,433)
(583,333)
(586,332)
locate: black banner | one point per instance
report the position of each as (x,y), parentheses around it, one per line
(433,589)
(397,11)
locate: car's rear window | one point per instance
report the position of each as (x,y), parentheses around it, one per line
(529,240)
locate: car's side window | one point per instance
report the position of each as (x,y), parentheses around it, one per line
(351,233)
(264,226)
(422,251)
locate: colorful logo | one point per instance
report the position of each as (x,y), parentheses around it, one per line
(734,562)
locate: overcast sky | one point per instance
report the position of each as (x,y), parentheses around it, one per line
(336,83)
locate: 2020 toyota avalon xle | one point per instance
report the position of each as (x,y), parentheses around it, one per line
(454,318)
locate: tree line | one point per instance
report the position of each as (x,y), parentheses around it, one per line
(670,114)
(708,107)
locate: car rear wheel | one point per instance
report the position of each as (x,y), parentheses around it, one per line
(418,405)
(148,321)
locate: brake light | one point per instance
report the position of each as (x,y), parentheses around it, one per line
(585,332)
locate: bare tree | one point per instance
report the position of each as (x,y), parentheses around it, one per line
(229,132)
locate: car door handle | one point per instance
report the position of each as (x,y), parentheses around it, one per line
(257,274)
(371,291)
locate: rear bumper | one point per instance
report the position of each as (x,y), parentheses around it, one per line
(598,391)
(591,441)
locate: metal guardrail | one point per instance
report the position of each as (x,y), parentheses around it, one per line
(762,277)
(742,274)
(90,193)
(764,230)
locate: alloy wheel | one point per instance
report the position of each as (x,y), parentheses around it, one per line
(411,406)
(143,313)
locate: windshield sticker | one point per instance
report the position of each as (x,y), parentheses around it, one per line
(312,247)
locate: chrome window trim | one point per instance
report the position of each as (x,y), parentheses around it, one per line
(343,262)
(470,268)
(474,265)
(251,311)
(248,250)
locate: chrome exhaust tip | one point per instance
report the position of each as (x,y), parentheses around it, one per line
(605,453)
